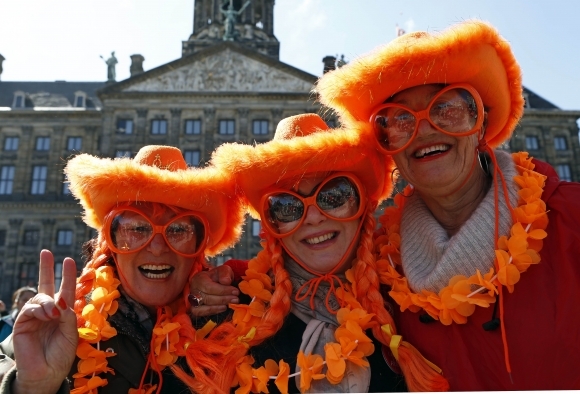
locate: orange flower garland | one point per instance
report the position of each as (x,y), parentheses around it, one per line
(167,342)
(514,255)
(352,342)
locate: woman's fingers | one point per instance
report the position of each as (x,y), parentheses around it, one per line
(66,294)
(41,307)
(46,273)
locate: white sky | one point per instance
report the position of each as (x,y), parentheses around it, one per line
(47,40)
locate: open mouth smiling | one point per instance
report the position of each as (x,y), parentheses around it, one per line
(320,238)
(151,271)
(431,151)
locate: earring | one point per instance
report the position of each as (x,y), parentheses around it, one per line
(484,163)
(394,182)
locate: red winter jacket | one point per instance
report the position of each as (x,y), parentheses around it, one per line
(542,316)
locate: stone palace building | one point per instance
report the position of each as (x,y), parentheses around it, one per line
(229,85)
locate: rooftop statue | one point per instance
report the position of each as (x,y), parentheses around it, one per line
(111,62)
(230,16)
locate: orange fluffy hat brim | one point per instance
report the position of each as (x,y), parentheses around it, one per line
(470,52)
(101,184)
(259,168)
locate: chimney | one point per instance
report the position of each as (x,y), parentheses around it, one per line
(329,64)
(136,65)
(2,58)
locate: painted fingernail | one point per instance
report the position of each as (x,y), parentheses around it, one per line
(236,292)
(235,301)
(55,311)
(61,303)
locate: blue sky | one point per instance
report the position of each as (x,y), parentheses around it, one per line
(45,40)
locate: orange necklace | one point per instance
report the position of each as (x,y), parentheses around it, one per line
(352,344)
(514,254)
(166,344)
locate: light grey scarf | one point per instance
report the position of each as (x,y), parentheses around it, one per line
(430,257)
(320,328)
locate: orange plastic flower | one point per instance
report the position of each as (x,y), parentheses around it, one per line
(507,274)
(336,366)
(283,376)
(147,389)
(310,367)
(255,288)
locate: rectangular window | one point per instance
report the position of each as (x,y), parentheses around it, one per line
(64,237)
(31,238)
(19,102)
(260,127)
(79,102)
(123,153)
(42,143)
(6,179)
(256,228)
(57,274)
(28,275)
(159,126)
(74,143)
(227,127)
(192,157)
(38,185)
(564,172)
(65,186)
(125,126)
(2,237)
(193,126)
(11,143)
(560,143)
(532,142)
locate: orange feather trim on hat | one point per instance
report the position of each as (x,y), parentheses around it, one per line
(303,144)
(471,52)
(158,174)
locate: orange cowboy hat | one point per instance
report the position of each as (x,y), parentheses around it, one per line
(158,174)
(472,52)
(304,144)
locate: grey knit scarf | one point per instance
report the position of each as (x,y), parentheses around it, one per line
(320,328)
(430,257)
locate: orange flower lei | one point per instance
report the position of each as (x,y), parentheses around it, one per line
(352,343)
(167,343)
(514,255)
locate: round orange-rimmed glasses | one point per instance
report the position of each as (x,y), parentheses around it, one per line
(456,110)
(340,196)
(128,230)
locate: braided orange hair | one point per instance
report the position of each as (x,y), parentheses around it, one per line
(418,374)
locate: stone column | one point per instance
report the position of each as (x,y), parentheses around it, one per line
(47,233)
(109,127)
(141,126)
(209,130)
(244,131)
(276,116)
(175,126)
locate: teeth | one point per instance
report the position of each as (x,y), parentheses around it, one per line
(322,238)
(152,267)
(422,152)
(164,271)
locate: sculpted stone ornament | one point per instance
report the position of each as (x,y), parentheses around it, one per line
(111,62)
(230,17)
(226,71)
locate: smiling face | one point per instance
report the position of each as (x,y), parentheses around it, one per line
(320,242)
(434,163)
(155,275)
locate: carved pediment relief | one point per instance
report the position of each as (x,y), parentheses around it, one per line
(225,71)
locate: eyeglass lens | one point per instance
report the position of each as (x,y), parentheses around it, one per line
(131,230)
(338,198)
(454,111)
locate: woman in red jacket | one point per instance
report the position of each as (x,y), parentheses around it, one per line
(481,249)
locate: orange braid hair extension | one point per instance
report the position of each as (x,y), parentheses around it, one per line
(280,302)
(418,374)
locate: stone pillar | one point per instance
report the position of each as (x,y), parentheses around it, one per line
(175,126)
(13,238)
(244,131)
(276,116)
(136,65)
(109,127)
(209,129)
(47,233)
(268,17)
(141,126)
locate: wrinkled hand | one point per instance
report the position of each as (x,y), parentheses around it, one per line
(215,285)
(45,333)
